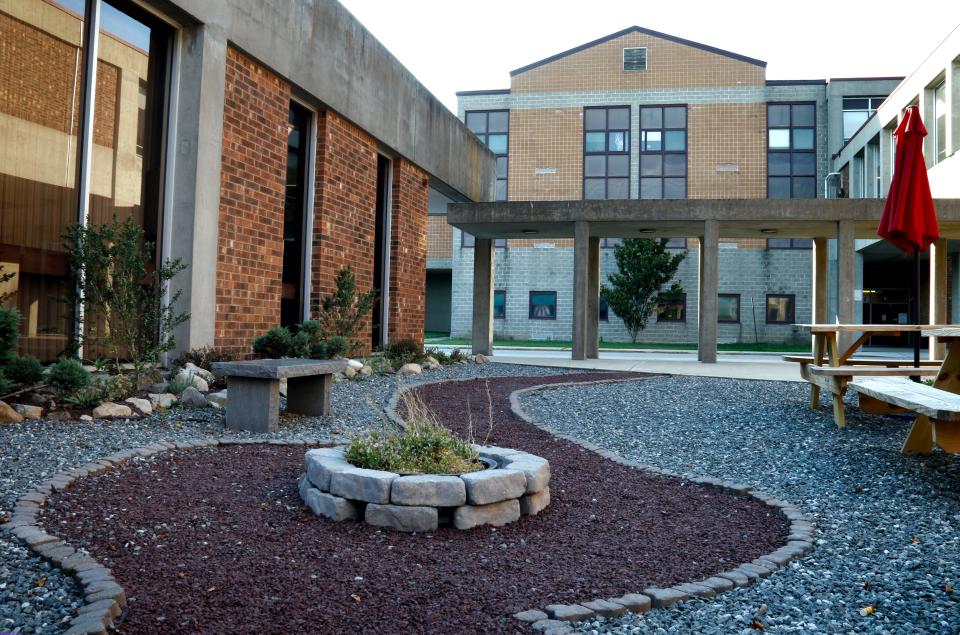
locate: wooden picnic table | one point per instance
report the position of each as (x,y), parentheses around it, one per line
(925,434)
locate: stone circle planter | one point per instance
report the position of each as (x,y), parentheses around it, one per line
(515,484)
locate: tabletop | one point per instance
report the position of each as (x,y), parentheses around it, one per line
(878,328)
(942,332)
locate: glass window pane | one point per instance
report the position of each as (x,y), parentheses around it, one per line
(805,187)
(477,122)
(497,143)
(595,142)
(675,140)
(852,122)
(804,114)
(651,141)
(618,165)
(675,188)
(778,243)
(778,163)
(728,309)
(779,139)
(803,138)
(594,190)
(595,119)
(501,189)
(499,305)
(618,188)
(778,115)
(854,103)
(651,188)
(675,164)
(618,119)
(502,164)
(543,305)
(780,309)
(804,164)
(778,187)
(604,311)
(617,141)
(651,165)
(595,165)
(651,117)
(675,117)
(498,121)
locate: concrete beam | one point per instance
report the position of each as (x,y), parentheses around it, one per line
(939,293)
(592,333)
(581,292)
(483,296)
(846,274)
(709,291)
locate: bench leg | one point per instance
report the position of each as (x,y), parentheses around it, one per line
(309,395)
(920,439)
(253,404)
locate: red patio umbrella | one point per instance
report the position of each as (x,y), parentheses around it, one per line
(909,220)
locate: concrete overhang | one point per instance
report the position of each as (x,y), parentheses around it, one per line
(683,218)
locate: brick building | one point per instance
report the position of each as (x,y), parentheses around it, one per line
(242,138)
(646,115)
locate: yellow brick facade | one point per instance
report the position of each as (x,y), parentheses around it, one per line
(548,141)
(720,136)
(439,238)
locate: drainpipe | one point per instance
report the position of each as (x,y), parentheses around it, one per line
(826,181)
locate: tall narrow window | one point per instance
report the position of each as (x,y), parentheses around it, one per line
(298,158)
(792,150)
(493,128)
(663,152)
(940,123)
(606,153)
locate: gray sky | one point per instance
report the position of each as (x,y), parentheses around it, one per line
(453,45)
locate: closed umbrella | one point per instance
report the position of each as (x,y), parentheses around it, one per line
(909,220)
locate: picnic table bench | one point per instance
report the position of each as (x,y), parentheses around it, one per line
(253,387)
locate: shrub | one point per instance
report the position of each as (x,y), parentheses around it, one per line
(404,351)
(342,312)
(424,446)
(205,357)
(86,397)
(9,332)
(5,384)
(274,344)
(25,371)
(456,355)
(68,376)
(336,346)
(438,355)
(178,384)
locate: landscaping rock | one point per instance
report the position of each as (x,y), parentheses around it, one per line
(402,518)
(492,486)
(664,597)
(354,364)
(332,507)
(533,504)
(410,369)
(532,615)
(548,625)
(191,398)
(162,400)
(218,399)
(605,608)
(366,371)
(428,489)
(110,410)
(431,362)
(568,612)
(372,486)
(349,372)
(480,358)
(159,387)
(496,514)
(500,455)
(197,380)
(535,469)
(203,373)
(60,415)
(28,412)
(85,418)
(8,414)
(322,463)
(633,602)
(143,405)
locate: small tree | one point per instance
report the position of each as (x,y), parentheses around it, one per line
(6,277)
(643,267)
(341,313)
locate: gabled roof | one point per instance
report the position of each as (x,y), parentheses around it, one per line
(639,29)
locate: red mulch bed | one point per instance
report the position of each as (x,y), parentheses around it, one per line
(217,540)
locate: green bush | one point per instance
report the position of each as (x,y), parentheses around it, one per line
(177,385)
(404,351)
(68,376)
(9,332)
(5,384)
(274,344)
(342,312)
(336,346)
(25,371)
(307,341)
(438,355)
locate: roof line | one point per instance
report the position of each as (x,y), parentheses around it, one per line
(864,79)
(796,82)
(639,29)
(491,91)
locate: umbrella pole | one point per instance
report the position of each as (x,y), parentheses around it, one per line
(915,309)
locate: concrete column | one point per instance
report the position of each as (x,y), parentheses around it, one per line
(593,299)
(938,292)
(483,296)
(581,275)
(191,215)
(709,290)
(846,277)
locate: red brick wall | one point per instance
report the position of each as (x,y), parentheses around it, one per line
(253,172)
(345,202)
(408,251)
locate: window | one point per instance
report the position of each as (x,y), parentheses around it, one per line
(469,241)
(663,152)
(299,130)
(676,243)
(856,110)
(610,243)
(500,305)
(493,128)
(635,59)
(939,123)
(728,307)
(672,308)
(791,150)
(606,153)
(780,308)
(789,243)
(604,310)
(543,305)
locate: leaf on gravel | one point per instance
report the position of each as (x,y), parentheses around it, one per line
(867,610)
(355,597)
(41,582)
(858,489)
(757,625)
(914,540)
(948,588)
(868,585)
(211,589)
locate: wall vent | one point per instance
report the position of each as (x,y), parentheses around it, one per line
(635,59)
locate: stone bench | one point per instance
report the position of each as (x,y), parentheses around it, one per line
(254,389)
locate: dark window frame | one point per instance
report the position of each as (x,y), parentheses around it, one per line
(530,305)
(792,243)
(729,295)
(791,151)
(484,137)
(503,293)
(682,297)
(792,318)
(663,152)
(606,152)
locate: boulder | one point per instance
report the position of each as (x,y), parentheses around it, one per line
(480,358)
(110,410)
(496,514)
(366,371)
(431,362)
(28,412)
(429,490)
(197,380)
(492,486)
(191,398)
(218,399)
(159,387)
(8,414)
(143,405)
(61,415)
(84,418)
(410,369)
(200,372)
(354,364)
(349,372)
(372,486)
(401,517)
(162,400)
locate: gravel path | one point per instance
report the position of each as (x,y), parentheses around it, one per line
(33,450)
(889,525)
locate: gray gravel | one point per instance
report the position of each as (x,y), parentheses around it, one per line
(34,450)
(889,525)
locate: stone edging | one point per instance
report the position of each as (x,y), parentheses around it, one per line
(104,598)
(553,618)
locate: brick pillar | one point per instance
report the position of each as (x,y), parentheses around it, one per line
(408,251)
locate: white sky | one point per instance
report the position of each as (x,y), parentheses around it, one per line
(453,45)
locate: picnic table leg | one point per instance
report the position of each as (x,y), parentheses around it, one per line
(921,439)
(839,416)
(817,361)
(309,395)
